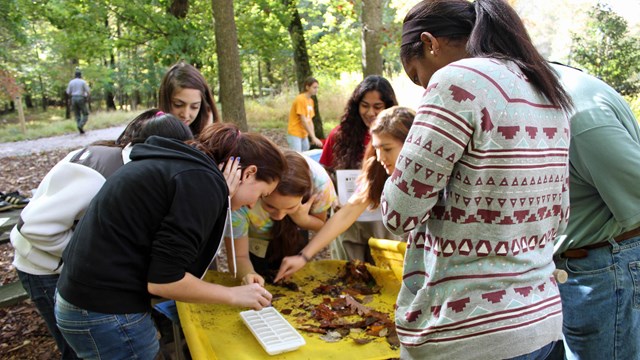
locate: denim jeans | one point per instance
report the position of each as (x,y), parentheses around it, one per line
(298,144)
(601,303)
(539,354)
(42,290)
(107,336)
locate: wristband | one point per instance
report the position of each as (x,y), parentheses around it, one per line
(306,259)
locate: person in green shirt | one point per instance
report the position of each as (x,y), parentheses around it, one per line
(600,249)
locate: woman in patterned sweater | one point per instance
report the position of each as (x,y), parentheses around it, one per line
(481,183)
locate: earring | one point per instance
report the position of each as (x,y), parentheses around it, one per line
(431,52)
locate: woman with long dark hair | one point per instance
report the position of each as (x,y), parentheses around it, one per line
(481,184)
(346,143)
(344,150)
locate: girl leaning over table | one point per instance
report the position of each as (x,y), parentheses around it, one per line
(270,230)
(388,133)
(152,230)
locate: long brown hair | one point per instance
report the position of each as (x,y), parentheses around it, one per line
(491,28)
(396,122)
(349,143)
(220,141)
(184,76)
(286,239)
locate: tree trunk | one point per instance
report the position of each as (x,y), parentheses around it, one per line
(23,126)
(317,119)
(300,55)
(28,101)
(109,97)
(301,60)
(230,75)
(371,26)
(179,8)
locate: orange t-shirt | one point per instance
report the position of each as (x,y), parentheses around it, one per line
(301,106)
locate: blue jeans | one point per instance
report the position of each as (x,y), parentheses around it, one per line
(107,336)
(42,290)
(298,144)
(539,354)
(601,303)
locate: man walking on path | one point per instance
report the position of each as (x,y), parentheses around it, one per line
(79,92)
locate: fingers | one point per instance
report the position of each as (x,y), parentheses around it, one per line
(232,172)
(262,296)
(284,269)
(253,278)
(289,266)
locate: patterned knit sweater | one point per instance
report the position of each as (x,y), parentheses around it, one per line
(481,183)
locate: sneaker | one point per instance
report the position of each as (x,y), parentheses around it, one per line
(16,200)
(5,205)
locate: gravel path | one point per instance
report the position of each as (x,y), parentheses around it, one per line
(69,141)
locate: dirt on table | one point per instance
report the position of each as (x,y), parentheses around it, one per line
(23,333)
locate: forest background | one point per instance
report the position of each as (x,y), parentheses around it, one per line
(256,53)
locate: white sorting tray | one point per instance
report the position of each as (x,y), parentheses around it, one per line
(272,330)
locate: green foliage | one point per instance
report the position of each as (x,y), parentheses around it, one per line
(123,47)
(607,51)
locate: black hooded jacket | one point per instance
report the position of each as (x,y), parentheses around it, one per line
(155,219)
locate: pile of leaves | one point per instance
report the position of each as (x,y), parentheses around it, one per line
(343,311)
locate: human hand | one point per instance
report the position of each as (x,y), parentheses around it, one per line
(317,142)
(253,296)
(252,278)
(289,266)
(302,212)
(232,173)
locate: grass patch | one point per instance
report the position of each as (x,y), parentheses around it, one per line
(272,112)
(41,124)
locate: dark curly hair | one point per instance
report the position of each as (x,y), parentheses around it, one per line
(349,141)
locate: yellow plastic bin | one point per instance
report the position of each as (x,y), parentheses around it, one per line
(388,254)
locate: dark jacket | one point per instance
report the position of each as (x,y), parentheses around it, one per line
(156,218)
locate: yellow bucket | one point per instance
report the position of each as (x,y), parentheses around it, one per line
(388,254)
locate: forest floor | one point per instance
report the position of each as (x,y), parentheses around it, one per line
(23,333)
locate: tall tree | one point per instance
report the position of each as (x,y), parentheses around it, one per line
(371,28)
(606,51)
(296,31)
(230,75)
(301,59)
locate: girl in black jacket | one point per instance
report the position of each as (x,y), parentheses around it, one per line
(152,230)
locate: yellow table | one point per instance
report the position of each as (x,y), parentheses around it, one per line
(217,331)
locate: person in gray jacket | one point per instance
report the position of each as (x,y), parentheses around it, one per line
(79,92)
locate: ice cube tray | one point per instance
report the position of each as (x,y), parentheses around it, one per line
(272,330)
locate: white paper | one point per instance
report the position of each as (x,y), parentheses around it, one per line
(347,186)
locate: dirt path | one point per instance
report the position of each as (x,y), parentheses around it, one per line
(69,141)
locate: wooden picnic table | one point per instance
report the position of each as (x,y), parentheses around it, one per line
(8,219)
(13,292)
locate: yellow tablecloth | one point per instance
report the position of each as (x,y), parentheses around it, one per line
(217,331)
